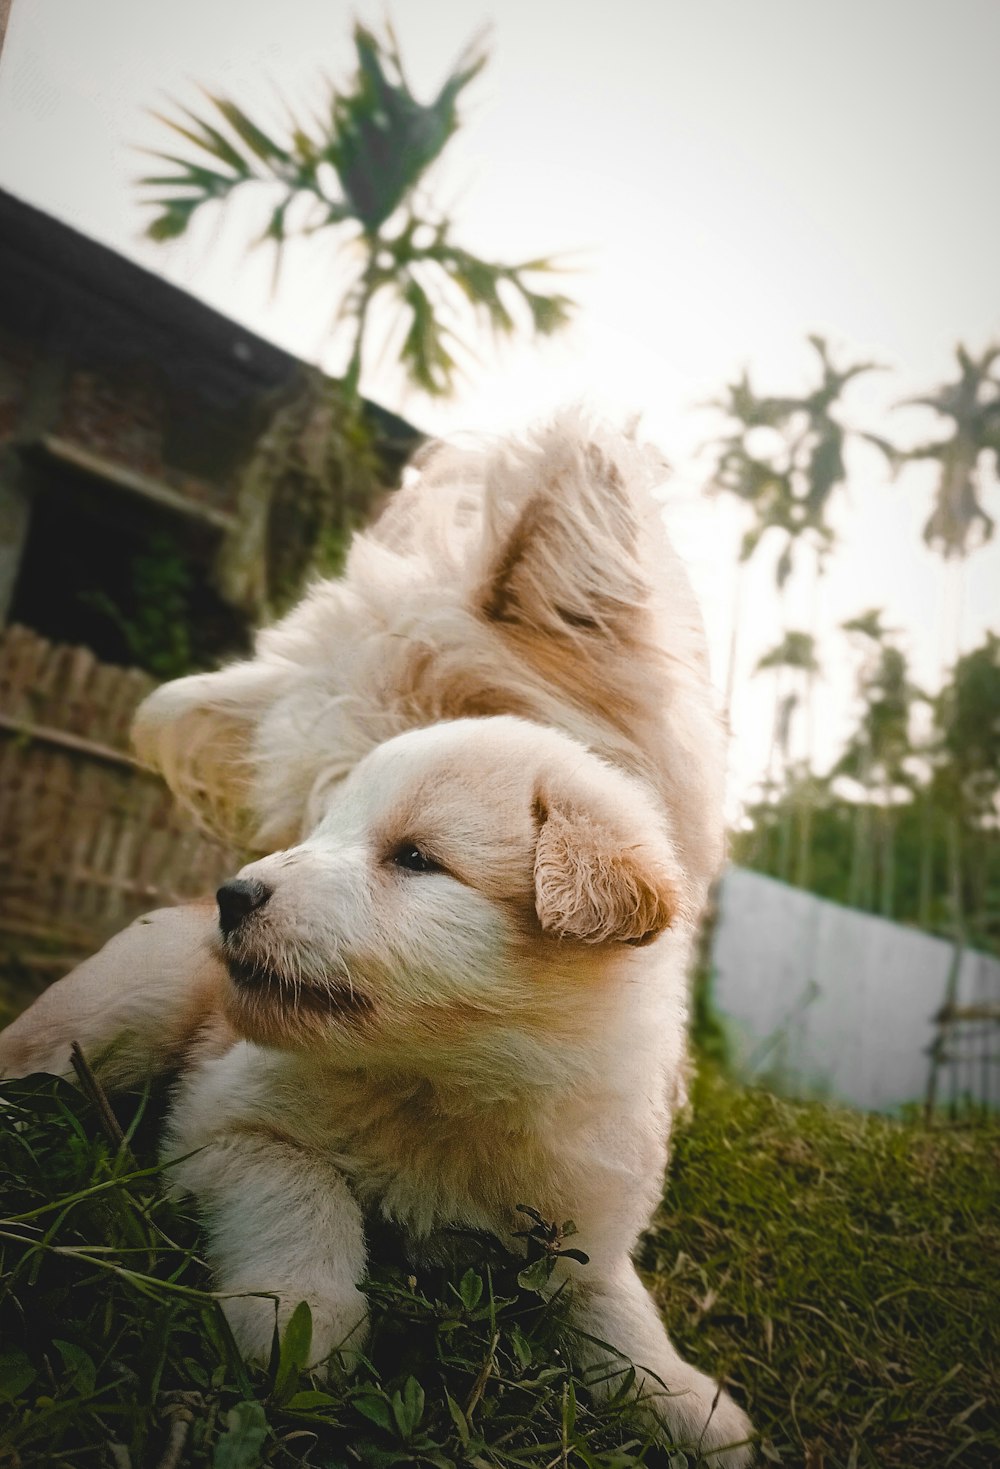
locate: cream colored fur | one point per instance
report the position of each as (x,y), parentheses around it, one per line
(534,580)
(510,680)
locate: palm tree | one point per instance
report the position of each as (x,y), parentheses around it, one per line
(967,777)
(793,661)
(966,786)
(958,525)
(790,488)
(878,757)
(359,170)
(972,404)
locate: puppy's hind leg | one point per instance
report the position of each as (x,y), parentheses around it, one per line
(699,1418)
(133,1007)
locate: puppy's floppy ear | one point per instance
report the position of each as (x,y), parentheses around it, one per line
(560,551)
(597,880)
(198,732)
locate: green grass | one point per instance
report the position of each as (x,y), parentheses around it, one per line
(844,1270)
(841,1271)
(113,1344)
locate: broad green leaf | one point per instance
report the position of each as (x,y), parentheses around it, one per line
(16,1374)
(535,1276)
(522,1348)
(79,1366)
(308,1402)
(241,1444)
(471,1289)
(458,1418)
(296,1340)
(408,1408)
(375,1408)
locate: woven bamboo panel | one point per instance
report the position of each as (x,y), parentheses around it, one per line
(89,839)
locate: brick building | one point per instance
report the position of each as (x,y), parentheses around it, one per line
(129,414)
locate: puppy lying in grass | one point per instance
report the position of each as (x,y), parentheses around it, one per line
(487,773)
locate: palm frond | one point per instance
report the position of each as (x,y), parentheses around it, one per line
(205,137)
(959,521)
(261,146)
(424,353)
(796,650)
(382,140)
(483,283)
(549,314)
(869,624)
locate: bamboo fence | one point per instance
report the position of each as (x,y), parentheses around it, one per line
(89,838)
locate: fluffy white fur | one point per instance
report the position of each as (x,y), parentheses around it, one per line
(528,579)
(510,683)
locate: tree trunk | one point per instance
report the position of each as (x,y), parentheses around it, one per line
(939,1047)
(803,861)
(926,859)
(888,873)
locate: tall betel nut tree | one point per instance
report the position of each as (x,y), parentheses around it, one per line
(361,168)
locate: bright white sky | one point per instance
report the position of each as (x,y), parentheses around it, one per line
(734,176)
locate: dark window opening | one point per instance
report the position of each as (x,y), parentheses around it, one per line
(104,569)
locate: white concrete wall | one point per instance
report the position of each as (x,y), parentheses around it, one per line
(837,1003)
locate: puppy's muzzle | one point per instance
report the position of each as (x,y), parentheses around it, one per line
(237,899)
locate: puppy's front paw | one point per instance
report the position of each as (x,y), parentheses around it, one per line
(339,1331)
(711,1430)
(726,1442)
(337,1325)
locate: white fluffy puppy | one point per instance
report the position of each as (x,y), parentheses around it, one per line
(462,985)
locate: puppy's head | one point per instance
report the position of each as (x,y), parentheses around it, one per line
(474,877)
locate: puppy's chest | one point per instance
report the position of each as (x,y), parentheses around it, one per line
(425,1166)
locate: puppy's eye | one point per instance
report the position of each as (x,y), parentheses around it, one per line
(410,856)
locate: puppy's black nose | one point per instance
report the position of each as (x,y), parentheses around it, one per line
(237,898)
